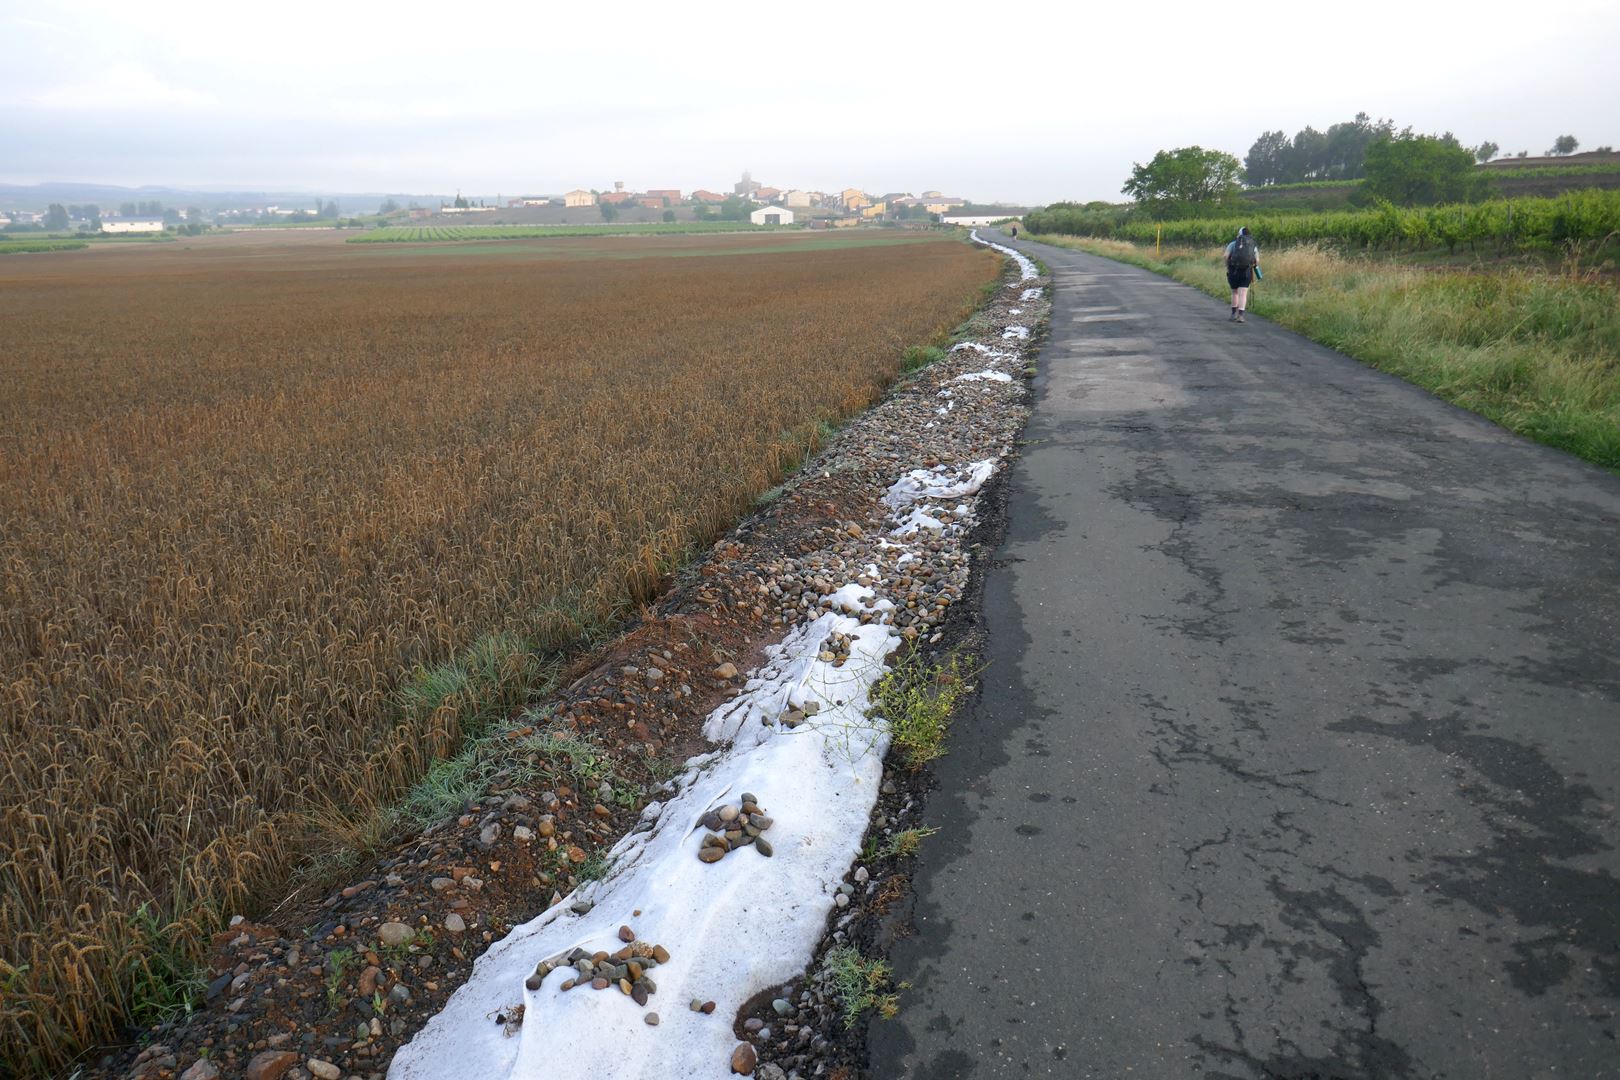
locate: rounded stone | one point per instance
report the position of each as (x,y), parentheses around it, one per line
(394,934)
(651,1019)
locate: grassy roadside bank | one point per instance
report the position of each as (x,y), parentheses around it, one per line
(1537,352)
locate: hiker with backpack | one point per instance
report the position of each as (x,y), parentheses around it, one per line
(1242,267)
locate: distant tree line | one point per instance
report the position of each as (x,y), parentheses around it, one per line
(1339,153)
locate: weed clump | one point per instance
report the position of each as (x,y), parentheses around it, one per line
(860,984)
(919,699)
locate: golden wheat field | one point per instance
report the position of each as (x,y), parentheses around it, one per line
(246,488)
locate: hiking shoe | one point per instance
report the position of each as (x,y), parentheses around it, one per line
(1232,317)
(1238,317)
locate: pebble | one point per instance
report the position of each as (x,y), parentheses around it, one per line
(323,1070)
(651,1019)
(270,1065)
(394,934)
(781,1005)
(454,923)
(489,834)
(201,1069)
(841,900)
(626,934)
(725,672)
(743,1060)
(523,833)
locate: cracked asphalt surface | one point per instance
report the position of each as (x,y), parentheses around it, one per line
(1296,754)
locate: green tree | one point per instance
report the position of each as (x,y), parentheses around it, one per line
(1184,181)
(610,212)
(669,215)
(1344,148)
(461,203)
(330,210)
(736,208)
(389,206)
(1485,151)
(1564,144)
(1267,161)
(1410,169)
(56,217)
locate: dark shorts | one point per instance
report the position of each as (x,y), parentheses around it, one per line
(1240,277)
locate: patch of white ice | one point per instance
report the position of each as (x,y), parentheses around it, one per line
(1015,333)
(940,482)
(733,928)
(1030,294)
(916,521)
(984,376)
(1026,269)
(854,599)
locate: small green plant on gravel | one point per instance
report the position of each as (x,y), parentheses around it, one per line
(594,868)
(579,758)
(905,843)
(860,984)
(628,796)
(337,963)
(661,769)
(919,699)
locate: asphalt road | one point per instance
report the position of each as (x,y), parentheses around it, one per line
(1297,751)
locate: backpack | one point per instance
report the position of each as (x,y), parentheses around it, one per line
(1245,252)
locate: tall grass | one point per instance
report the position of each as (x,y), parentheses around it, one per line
(1536,351)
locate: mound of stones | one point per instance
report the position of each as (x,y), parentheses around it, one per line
(732,827)
(628,969)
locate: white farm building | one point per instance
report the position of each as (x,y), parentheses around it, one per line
(772,215)
(131,224)
(974,220)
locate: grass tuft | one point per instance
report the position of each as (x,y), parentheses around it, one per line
(919,699)
(860,984)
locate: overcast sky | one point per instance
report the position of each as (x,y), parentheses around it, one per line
(1023,102)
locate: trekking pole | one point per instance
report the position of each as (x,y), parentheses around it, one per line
(1158,236)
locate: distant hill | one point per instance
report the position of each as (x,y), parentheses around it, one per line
(39,196)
